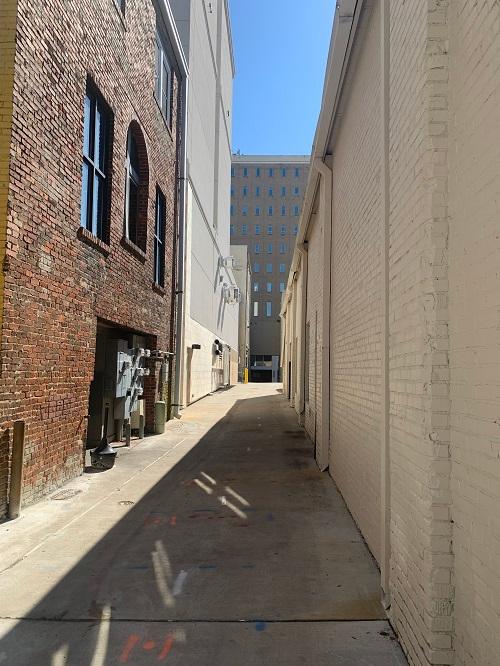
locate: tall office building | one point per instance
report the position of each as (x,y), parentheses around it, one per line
(266,200)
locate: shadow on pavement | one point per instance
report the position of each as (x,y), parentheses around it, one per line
(243,553)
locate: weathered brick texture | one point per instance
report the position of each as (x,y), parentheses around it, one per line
(474,251)
(422,559)
(56,285)
(8,16)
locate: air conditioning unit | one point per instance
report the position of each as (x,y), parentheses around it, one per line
(232,294)
(228,262)
(236,294)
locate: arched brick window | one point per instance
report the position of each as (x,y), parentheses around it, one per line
(136,187)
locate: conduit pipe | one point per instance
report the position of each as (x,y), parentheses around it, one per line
(180,280)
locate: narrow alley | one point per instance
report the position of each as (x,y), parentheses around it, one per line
(219,542)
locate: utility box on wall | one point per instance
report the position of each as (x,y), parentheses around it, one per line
(120,367)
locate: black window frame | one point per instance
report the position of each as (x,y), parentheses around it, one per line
(159,238)
(96,167)
(163,68)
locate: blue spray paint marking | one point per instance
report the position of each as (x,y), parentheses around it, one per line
(204,510)
(260,626)
(207,566)
(270,518)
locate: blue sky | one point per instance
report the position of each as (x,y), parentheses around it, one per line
(280,49)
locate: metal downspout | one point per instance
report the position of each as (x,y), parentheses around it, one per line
(323,451)
(302,247)
(181,257)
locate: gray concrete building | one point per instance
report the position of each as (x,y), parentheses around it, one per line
(266,200)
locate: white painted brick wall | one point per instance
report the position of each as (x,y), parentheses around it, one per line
(356,292)
(422,560)
(475,328)
(444,341)
(314,318)
(203,371)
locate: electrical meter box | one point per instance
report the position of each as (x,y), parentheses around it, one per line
(125,376)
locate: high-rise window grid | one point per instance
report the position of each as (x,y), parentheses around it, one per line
(257,229)
(269,229)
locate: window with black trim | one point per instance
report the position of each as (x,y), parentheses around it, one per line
(136,188)
(97,129)
(159,238)
(163,80)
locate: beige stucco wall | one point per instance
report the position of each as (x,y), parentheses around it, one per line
(474,256)
(356,295)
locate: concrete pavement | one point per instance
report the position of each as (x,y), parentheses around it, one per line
(219,542)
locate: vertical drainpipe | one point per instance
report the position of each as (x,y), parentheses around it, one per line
(323,451)
(181,257)
(302,247)
(385,471)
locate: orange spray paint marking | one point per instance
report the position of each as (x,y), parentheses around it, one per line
(132,641)
(149,645)
(167,646)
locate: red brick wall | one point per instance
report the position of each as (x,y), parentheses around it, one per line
(56,284)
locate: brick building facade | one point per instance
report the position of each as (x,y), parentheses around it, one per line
(391,313)
(90,218)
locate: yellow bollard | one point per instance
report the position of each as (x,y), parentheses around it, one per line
(245,375)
